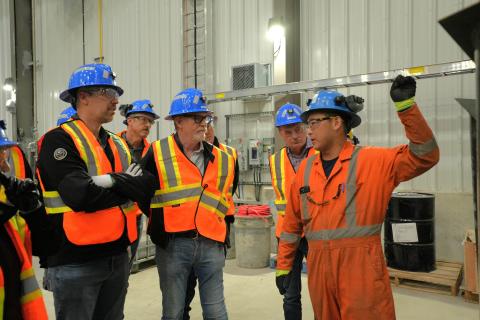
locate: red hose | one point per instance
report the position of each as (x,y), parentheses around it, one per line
(253,210)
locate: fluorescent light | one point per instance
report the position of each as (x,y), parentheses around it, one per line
(8,87)
(276,30)
(8,84)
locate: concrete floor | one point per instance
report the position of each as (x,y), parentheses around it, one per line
(251,294)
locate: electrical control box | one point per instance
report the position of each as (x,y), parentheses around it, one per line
(242,153)
(254,152)
(268,149)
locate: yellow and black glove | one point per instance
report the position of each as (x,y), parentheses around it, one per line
(282,280)
(402,92)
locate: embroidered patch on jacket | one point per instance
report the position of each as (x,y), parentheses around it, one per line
(59,154)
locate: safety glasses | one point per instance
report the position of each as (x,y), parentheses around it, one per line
(143,119)
(198,119)
(109,93)
(340,190)
(311,123)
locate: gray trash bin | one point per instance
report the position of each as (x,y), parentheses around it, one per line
(252,241)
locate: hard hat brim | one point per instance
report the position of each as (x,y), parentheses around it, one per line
(171,116)
(286,123)
(152,114)
(8,143)
(67,95)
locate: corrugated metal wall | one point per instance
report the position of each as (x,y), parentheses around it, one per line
(347,37)
(142,41)
(5,61)
(238,34)
(59,45)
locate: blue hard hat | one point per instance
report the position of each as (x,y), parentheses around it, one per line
(138,106)
(4,141)
(327,100)
(65,115)
(90,75)
(188,101)
(288,114)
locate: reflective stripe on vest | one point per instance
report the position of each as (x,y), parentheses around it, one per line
(181,191)
(110,220)
(229,150)
(21,227)
(146,144)
(32,304)
(52,199)
(351,230)
(175,193)
(281,175)
(233,153)
(17,163)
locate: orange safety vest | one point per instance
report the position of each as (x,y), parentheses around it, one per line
(17,164)
(189,200)
(105,225)
(33,306)
(233,153)
(146,144)
(282,173)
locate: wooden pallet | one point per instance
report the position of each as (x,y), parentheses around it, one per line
(446,279)
(470,296)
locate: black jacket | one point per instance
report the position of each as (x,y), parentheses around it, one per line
(69,176)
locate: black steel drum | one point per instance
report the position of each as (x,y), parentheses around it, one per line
(409,232)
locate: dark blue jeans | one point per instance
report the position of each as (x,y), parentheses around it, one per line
(292,299)
(175,263)
(91,290)
(134,245)
(191,284)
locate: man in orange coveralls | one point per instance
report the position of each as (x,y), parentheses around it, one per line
(339,199)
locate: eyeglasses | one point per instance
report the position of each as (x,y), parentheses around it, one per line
(144,120)
(108,93)
(198,119)
(313,122)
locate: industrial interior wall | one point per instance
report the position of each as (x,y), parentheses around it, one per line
(348,37)
(5,62)
(238,36)
(141,40)
(59,50)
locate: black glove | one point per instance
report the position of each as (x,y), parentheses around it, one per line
(136,188)
(23,194)
(6,212)
(403,88)
(283,282)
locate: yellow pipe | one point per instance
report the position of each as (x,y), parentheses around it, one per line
(100,29)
